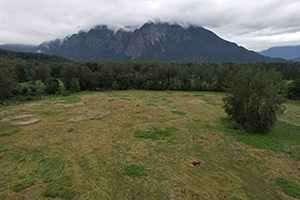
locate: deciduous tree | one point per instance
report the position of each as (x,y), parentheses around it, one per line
(255,98)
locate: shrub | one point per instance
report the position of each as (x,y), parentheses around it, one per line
(52,85)
(294,89)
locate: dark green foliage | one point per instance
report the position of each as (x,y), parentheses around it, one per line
(52,85)
(23,185)
(155,132)
(12,55)
(69,73)
(8,84)
(43,72)
(135,170)
(74,87)
(255,98)
(32,90)
(99,76)
(178,112)
(60,188)
(86,79)
(294,90)
(289,188)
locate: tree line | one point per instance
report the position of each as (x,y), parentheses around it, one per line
(9,56)
(21,81)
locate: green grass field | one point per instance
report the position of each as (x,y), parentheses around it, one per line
(139,144)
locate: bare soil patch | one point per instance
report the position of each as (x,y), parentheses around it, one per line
(15,118)
(88,114)
(198,101)
(31,121)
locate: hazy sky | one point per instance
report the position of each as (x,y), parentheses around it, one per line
(254,24)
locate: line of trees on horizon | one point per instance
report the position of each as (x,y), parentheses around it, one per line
(22,81)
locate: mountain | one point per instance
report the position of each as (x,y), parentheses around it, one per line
(153,41)
(19,47)
(285,52)
(25,56)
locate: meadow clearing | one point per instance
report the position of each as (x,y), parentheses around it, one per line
(139,144)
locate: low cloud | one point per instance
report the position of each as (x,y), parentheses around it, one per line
(254,24)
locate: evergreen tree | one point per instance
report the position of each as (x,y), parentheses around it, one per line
(7,83)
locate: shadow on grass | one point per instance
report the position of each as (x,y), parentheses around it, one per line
(283,137)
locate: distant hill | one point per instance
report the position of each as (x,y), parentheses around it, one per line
(24,56)
(153,41)
(285,52)
(19,47)
(297,59)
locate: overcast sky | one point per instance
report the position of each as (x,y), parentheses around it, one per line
(254,24)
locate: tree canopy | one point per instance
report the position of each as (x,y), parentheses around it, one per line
(255,98)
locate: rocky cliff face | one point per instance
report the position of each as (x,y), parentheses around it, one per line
(160,41)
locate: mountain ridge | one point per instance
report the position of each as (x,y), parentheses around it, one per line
(152,41)
(285,52)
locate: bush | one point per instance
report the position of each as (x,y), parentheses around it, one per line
(75,87)
(52,85)
(255,98)
(294,89)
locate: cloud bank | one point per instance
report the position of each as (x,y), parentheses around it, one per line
(255,24)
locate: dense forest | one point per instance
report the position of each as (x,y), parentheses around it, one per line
(22,80)
(8,56)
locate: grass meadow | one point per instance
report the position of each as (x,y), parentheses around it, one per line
(139,144)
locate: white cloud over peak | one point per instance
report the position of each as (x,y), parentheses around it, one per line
(255,24)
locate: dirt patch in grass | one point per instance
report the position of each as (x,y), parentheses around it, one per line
(14,120)
(198,101)
(88,115)
(31,121)
(74,104)
(16,117)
